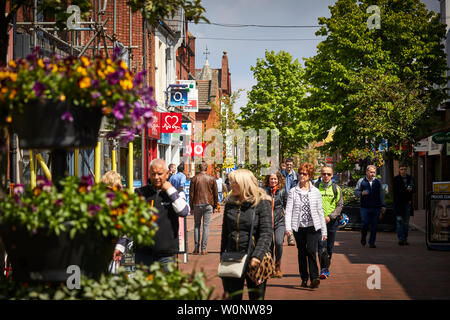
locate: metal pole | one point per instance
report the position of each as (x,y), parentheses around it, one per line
(114,157)
(97,161)
(76,166)
(130,41)
(32,172)
(130,167)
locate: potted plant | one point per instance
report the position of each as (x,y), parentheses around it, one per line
(45,230)
(55,102)
(152,283)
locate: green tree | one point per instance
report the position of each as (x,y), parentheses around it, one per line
(375,84)
(277,101)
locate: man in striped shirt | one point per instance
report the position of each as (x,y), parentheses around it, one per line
(170,204)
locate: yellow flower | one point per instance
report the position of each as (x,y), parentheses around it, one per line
(109,61)
(150,277)
(85,61)
(8,119)
(62,98)
(55,68)
(12,64)
(13,94)
(109,70)
(82,71)
(101,74)
(126,84)
(13,76)
(84,82)
(123,65)
(143,220)
(103,102)
(40,63)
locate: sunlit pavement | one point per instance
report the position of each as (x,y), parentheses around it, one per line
(406,272)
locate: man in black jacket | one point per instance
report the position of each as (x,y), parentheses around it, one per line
(170,205)
(404,187)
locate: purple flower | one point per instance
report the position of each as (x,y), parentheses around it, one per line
(40,180)
(127,136)
(116,52)
(86,180)
(109,198)
(38,88)
(93,209)
(67,116)
(19,189)
(119,110)
(95,95)
(47,186)
(34,208)
(114,78)
(95,83)
(139,78)
(18,201)
(58,202)
(33,55)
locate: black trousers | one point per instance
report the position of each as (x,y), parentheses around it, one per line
(307,241)
(235,287)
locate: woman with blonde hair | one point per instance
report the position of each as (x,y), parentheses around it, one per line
(246,200)
(112,179)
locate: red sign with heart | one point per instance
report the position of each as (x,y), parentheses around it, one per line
(170,122)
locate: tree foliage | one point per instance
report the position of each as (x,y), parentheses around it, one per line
(376,84)
(277,101)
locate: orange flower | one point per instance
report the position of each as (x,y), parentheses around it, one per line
(118,226)
(143,220)
(84,83)
(37,191)
(150,277)
(82,189)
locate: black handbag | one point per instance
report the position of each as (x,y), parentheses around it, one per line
(324,256)
(232,263)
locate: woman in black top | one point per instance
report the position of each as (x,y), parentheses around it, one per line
(246,197)
(274,186)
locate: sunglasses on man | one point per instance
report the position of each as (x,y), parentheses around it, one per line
(326,174)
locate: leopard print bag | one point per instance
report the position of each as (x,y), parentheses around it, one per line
(262,272)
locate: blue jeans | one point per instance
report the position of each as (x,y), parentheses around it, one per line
(369,217)
(331,231)
(220,196)
(403,224)
(202,211)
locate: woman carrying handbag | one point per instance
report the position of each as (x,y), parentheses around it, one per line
(247,220)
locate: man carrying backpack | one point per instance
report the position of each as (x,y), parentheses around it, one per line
(332,203)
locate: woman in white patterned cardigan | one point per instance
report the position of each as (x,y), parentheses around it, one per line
(305,219)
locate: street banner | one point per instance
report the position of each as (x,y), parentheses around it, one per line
(154,130)
(170,122)
(438,221)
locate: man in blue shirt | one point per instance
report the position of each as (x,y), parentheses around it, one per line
(290,175)
(178,179)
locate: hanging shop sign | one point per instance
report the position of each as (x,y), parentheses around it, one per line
(441,137)
(178,97)
(154,130)
(170,122)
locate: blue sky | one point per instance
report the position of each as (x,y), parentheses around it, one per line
(243,54)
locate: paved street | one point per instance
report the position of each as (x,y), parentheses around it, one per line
(410,272)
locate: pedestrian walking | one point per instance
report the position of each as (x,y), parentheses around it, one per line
(404,187)
(332,203)
(274,186)
(203,201)
(178,180)
(246,200)
(370,191)
(305,220)
(291,180)
(221,187)
(170,204)
(172,170)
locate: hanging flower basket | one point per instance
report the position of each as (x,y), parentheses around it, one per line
(45,229)
(47,124)
(43,257)
(39,87)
